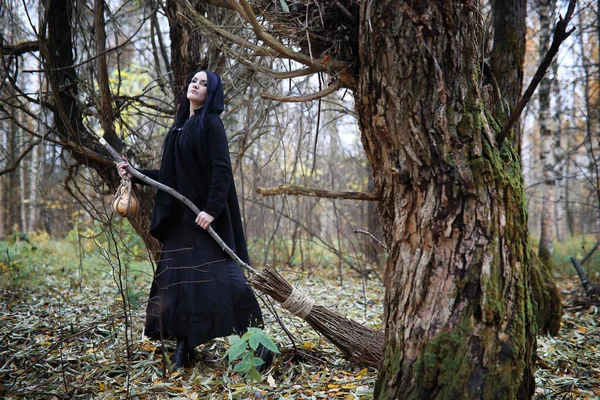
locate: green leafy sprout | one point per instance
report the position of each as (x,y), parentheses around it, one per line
(242,352)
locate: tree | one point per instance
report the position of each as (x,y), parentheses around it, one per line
(546,247)
(458,312)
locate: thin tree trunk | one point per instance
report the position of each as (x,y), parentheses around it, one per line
(457,306)
(559,155)
(546,246)
(34,188)
(3,186)
(23,188)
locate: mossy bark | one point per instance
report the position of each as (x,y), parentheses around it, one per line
(458,313)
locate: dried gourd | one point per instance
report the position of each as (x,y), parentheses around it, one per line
(125,203)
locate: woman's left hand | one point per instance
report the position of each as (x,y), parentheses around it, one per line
(204,219)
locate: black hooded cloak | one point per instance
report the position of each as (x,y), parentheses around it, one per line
(198,292)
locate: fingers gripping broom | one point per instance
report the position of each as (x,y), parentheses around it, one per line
(356,341)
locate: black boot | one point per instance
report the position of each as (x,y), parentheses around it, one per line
(264,354)
(183,355)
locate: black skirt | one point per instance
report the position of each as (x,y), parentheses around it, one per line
(198,292)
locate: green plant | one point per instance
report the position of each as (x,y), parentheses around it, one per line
(242,349)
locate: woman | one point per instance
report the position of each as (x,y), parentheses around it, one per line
(198,292)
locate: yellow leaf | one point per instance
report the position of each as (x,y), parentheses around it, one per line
(102,386)
(308,345)
(349,386)
(362,372)
(333,386)
(148,346)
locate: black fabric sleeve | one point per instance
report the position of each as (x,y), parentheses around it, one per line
(150,173)
(220,164)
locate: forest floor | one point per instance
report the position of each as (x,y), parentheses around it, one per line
(65,333)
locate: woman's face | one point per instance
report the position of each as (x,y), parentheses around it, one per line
(196,92)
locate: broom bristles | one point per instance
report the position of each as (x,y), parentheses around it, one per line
(357,342)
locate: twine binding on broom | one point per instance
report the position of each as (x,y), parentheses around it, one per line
(299,303)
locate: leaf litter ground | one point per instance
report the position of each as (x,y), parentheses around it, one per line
(63,337)
(61,340)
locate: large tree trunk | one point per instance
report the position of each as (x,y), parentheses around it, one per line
(458,314)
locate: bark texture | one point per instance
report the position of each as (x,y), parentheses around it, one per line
(458,316)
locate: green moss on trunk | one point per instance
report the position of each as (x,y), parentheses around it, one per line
(444,365)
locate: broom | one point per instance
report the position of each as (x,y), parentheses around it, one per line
(355,341)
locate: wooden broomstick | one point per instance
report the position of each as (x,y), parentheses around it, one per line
(356,341)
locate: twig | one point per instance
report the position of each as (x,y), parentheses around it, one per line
(372,237)
(15,165)
(300,99)
(560,34)
(312,192)
(587,287)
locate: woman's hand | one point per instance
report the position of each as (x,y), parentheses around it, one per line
(204,219)
(122,169)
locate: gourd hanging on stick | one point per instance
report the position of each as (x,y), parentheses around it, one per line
(125,203)
(357,342)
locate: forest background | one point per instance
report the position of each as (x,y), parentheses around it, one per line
(63,249)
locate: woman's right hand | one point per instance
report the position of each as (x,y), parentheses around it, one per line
(122,169)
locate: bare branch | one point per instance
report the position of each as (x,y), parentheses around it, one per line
(587,287)
(21,48)
(277,74)
(372,237)
(312,192)
(246,11)
(300,99)
(192,13)
(15,165)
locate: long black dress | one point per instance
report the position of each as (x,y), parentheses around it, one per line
(198,292)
